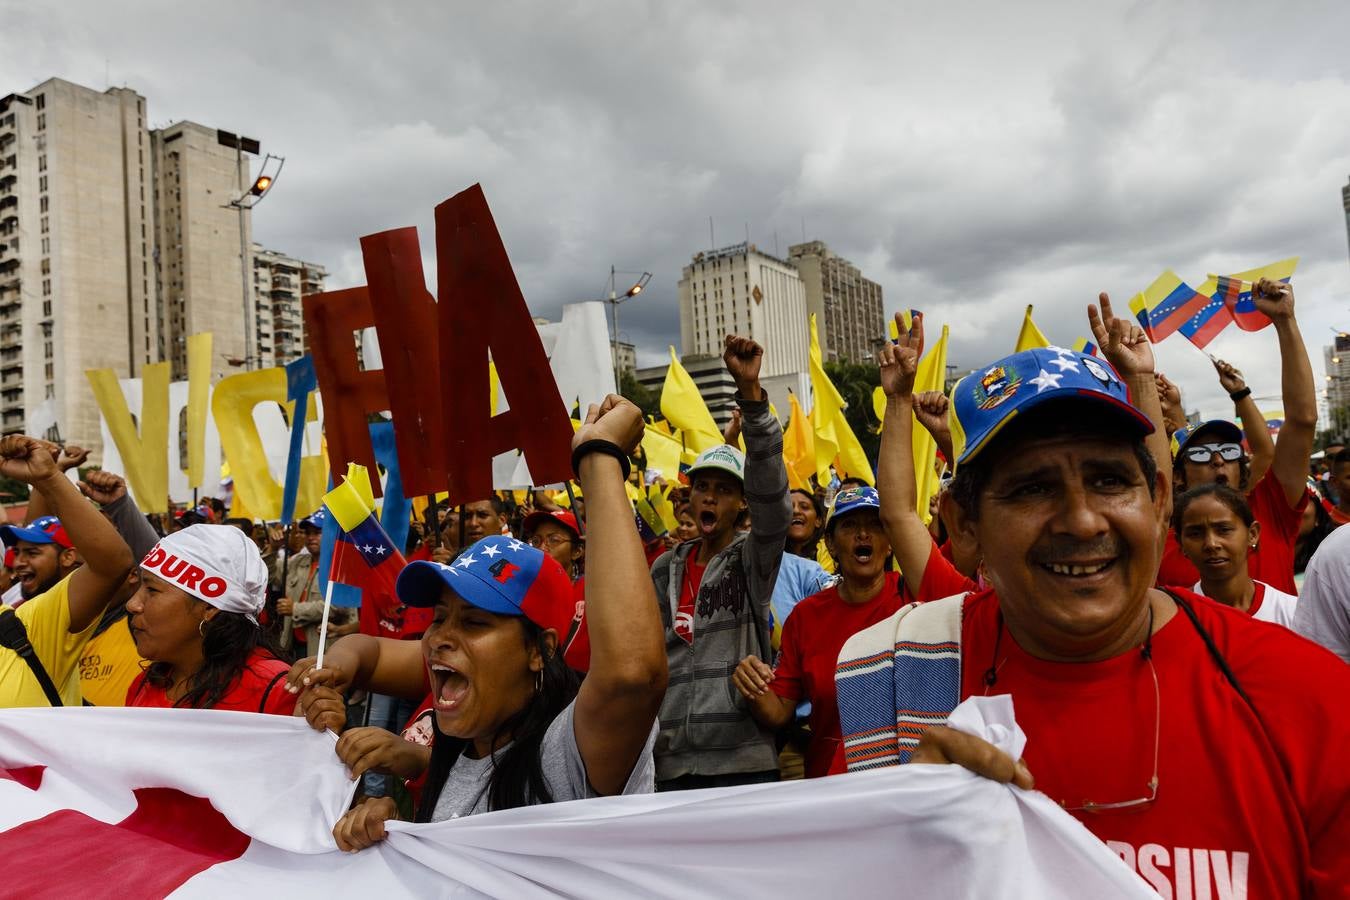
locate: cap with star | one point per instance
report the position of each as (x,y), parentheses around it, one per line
(498,574)
(989,398)
(850,500)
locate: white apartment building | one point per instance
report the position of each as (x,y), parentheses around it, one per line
(116,243)
(850,314)
(743,290)
(280,282)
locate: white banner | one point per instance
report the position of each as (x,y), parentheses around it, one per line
(99,802)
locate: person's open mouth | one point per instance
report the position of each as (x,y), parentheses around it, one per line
(707,521)
(448,687)
(863,553)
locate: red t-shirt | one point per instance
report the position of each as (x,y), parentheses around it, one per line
(941,578)
(577,653)
(1242,810)
(261,687)
(684,614)
(1273,559)
(812,638)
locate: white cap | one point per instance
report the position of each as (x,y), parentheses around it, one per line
(723,458)
(218,564)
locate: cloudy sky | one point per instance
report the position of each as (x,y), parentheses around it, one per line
(972,157)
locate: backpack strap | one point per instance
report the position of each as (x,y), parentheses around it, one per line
(267,692)
(14,636)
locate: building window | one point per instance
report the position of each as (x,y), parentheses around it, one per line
(47,350)
(46,267)
(41,121)
(42,184)
(46,287)
(51,371)
(42,204)
(44,229)
(41,101)
(46,309)
(46,245)
(42,163)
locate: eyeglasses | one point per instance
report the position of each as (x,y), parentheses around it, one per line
(1203,453)
(553,540)
(1093,806)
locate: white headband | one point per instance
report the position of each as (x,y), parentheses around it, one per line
(215,563)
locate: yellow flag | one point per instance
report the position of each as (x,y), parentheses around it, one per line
(145,455)
(683,405)
(663,453)
(799,447)
(834,439)
(930,377)
(199,390)
(493,387)
(660,500)
(879,403)
(352,501)
(1030,336)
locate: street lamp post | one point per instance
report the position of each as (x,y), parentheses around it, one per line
(614,300)
(247,199)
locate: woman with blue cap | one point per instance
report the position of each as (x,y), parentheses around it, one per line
(512,727)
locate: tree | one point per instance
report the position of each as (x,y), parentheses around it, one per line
(644,398)
(855,382)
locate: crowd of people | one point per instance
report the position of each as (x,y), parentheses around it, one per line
(1167,603)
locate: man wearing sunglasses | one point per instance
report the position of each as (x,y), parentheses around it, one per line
(1212,452)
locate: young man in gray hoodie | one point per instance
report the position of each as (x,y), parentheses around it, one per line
(714,594)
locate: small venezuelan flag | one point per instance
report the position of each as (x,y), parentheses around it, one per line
(1083,345)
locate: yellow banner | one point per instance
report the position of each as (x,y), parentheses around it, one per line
(144,453)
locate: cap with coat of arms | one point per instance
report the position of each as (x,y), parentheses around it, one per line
(723,458)
(851,500)
(987,399)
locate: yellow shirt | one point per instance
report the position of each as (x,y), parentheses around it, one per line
(47,618)
(109,665)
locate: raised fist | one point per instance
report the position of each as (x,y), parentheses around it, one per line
(616,420)
(743,358)
(103,487)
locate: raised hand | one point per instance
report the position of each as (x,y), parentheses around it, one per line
(1123,342)
(27,459)
(743,358)
(72,457)
(1169,398)
(899,360)
(930,408)
(1229,377)
(1274,298)
(103,487)
(616,420)
(733,429)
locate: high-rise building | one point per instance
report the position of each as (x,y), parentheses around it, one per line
(200,246)
(1345,202)
(116,243)
(742,290)
(1337,361)
(280,282)
(850,317)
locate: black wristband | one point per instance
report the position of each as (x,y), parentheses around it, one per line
(1239,396)
(608,448)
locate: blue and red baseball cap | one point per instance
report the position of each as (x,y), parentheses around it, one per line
(45,530)
(501,575)
(988,399)
(850,500)
(1222,430)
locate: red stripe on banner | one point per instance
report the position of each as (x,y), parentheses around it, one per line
(170,837)
(1210,329)
(28,776)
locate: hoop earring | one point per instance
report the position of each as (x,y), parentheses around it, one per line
(201,628)
(539,681)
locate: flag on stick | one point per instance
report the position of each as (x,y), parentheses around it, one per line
(683,405)
(1030,337)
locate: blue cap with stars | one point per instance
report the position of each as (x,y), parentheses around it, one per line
(987,399)
(498,574)
(851,500)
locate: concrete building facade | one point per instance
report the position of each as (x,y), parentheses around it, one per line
(743,290)
(280,282)
(850,314)
(1337,361)
(116,243)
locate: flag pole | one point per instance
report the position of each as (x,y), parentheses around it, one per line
(323,625)
(434,518)
(572,504)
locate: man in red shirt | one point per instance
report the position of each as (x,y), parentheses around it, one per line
(1213,452)
(1206,748)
